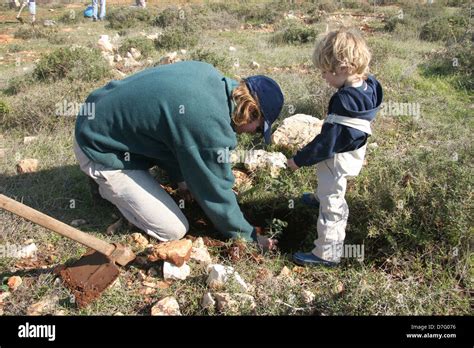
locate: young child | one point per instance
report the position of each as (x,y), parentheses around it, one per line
(338,151)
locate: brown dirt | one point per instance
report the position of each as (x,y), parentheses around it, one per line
(87,278)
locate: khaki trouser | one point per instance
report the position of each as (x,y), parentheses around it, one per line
(139,197)
(333,210)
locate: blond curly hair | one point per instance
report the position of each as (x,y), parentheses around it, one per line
(343,48)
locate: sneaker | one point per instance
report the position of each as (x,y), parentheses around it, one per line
(310,199)
(309,259)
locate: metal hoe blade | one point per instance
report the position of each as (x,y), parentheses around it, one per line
(89,276)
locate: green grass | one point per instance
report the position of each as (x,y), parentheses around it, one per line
(410,206)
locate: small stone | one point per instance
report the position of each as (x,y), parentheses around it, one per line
(29,165)
(219,275)
(225,303)
(339,288)
(3,296)
(171,271)
(308,296)
(207,301)
(166,306)
(28,241)
(153,36)
(149,284)
(176,252)
(200,253)
(141,275)
(254,65)
(146,291)
(118,74)
(139,240)
(232,49)
(130,62)
(135,53)
(242,181)
(27,140)
(373,145)
(285,272)
(78,222)
(169,58)
(49,23)
(105,44)
(183,51)
(117,58)
(119,314)
(44,306)
(14,282)
(261,159)
(27,252)
(232,303)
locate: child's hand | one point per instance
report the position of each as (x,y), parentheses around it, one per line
(291,164)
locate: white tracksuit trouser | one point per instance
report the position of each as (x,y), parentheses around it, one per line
(333,210)
(139,197)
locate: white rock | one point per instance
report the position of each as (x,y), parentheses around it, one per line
(118,58)
(166,306)
(219,275)
(183,51)
(261,159)
(135,53)
(254,65)
(130,62)
(207,301)
(200,253)
(232,303)
(171,271)
(118,74)
(109,58)
(105,44)
(373,145)
(297,130)
(27,140)
(44,306)
(26,252)
(49,23)
(153,36)
(290,16)
(232,49)
(169,58)
(308,296)
(78,222)
(199,243)
(3,296)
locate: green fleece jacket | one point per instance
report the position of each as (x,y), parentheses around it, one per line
(178,117)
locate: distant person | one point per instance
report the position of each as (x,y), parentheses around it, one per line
(338,151)
(101,14)
(31,8)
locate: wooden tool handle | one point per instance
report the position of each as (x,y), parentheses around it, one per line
(55,225)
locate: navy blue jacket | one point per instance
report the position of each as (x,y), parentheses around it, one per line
(359,102)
